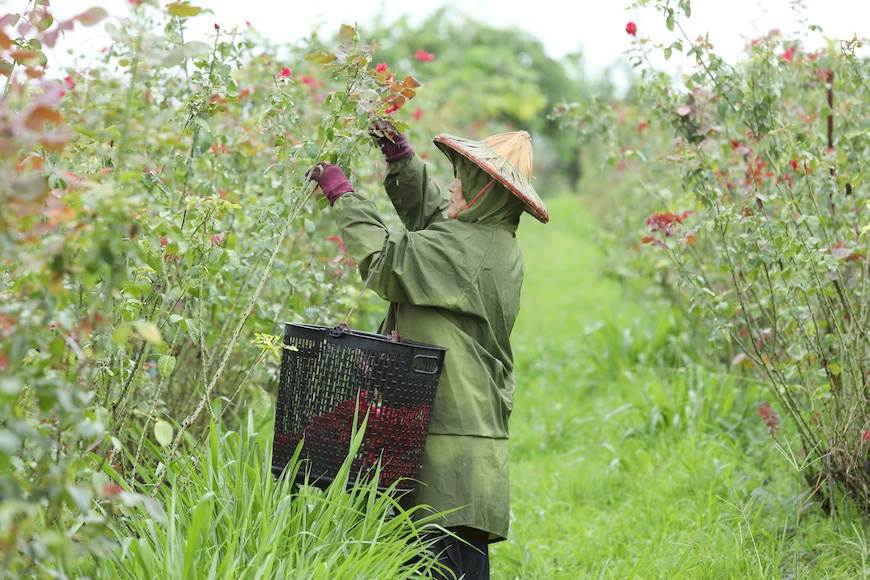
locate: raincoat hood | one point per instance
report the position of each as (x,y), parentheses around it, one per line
(497,206)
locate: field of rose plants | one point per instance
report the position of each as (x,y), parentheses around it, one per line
(758,212)
(698,407)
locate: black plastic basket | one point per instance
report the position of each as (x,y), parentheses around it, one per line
(329,373)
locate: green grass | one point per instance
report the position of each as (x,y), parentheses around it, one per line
(626,467)
(222,514)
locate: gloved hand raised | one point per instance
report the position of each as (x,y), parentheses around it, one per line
(394,145)
(331,179)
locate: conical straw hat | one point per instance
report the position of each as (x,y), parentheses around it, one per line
(508,158)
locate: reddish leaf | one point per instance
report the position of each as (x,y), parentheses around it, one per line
(40,115)
(49,38)
(92,16)
(396,101)
(769,416)
(9,20)
(58,215)
(25,57)
(54,142)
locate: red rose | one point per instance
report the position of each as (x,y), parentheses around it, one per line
(631,28)
(112,489)
(424,56)
(286,72)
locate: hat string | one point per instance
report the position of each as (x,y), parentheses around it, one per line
(480,193)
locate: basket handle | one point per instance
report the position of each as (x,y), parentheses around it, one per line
(376,267)
(339,329)
(424,370)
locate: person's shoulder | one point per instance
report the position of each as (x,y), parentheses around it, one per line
(458,230)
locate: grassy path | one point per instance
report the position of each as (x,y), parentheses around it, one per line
(625,467)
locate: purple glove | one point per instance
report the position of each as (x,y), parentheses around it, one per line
(394,145)
(331,180)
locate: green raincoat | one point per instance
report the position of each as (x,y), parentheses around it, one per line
(454,283)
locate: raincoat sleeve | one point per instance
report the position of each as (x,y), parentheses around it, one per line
(417,199)
(414,267)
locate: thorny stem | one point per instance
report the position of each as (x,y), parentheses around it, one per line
(125,124)
(195,135)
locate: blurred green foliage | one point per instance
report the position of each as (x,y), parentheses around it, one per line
(485,79)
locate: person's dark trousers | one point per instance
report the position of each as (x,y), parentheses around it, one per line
(468,559)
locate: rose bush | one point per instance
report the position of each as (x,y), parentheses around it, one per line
(757,207)
(156,229)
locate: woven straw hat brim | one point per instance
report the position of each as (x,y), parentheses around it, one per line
(499,168)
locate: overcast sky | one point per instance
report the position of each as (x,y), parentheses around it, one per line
(594,27)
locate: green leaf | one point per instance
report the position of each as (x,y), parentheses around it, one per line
(165,365)
(183,10)
(148,331)
(320,56)
(43,24)
(190,49)
(347,34)
(198,530)
(163,433)
(122,333)
(196,48)
(80,496)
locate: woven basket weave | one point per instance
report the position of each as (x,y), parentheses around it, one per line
(328,374)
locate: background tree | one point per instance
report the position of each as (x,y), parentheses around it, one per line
(481,79)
